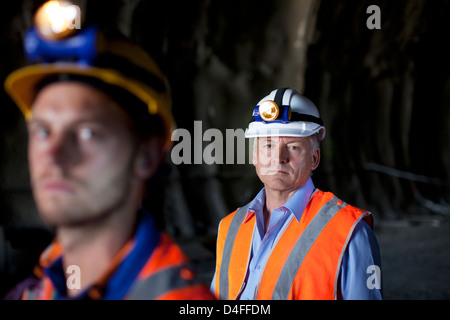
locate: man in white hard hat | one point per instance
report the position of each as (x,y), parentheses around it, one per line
(293,241)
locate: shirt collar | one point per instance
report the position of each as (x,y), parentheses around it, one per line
(256,205)
(296,204)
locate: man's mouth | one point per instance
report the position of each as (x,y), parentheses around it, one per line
(275,172)
(58,186)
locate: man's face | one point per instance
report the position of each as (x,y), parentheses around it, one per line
(285,163)
(81,153)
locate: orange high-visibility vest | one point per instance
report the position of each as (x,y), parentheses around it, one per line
(304,263)
(168,275)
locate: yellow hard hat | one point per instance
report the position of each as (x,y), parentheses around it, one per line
(91,53)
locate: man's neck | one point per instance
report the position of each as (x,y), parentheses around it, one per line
(275,199)
(92,247)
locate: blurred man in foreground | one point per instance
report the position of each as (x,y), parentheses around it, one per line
(99,122)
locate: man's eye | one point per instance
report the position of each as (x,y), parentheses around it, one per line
(42,132)
(295,147)
(91,134)
(86,134)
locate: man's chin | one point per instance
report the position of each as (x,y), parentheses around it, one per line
(56,218)
(59,213)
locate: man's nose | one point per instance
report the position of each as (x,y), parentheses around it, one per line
(282,154)
(62,150)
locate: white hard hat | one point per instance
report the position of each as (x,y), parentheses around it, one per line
(285,112)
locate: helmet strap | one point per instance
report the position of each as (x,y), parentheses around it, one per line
(279,96)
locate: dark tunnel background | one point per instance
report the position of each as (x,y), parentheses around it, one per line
(384,95)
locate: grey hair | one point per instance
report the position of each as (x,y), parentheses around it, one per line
(315,142)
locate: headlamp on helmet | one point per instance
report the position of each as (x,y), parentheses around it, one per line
(270,111)
(57,35)
(56,20)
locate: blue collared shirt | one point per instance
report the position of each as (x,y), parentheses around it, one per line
(359,264)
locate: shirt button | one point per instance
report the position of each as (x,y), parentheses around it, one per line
(258,267)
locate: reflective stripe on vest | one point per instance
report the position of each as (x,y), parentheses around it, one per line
(161,282)
(31,294)
(301,248)
(228,247)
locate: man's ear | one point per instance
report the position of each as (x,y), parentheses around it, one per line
(315,159)
(148,157)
